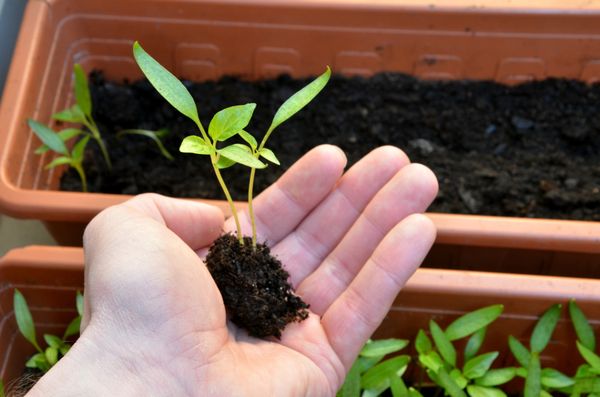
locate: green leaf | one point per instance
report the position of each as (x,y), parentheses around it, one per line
(374,392)
(544,393)
(154,135)
(519,351)
(448,384)
(381,373)
(458,377)
(299,100)
(73,327)
(480,391)
(166,84)
(53,341)
(2,393)
(351,386)
(431,360)
(555,379)
(64,349)
(478,366)
(58,161)
(24,319)
(230,121)
(473,321)
(269,155)
(79,148)
(422,342)
(544,328)
(496,377)
(442,343)
(38,361)
(79,303)
(48,136)
(250,140)
(592,358)
(583,329)
(383,347)
(51,355)
(74,114)
(398,387)
(414,393)
(224,162)
(195,144)
(533,382)
(522,372)
(241,154)
(64,135)
(474,343)
(82,91)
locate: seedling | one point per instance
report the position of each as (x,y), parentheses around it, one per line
(55,141)
(225,124)
(57,347)
(154,135)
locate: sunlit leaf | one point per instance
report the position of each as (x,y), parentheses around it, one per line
(24,318)
(422,342)
(473,321)
(448,384)
(544,328)
(496,377)
(73,327)
(382,347)
(38,361)
(458,377)
(583,329)
(82,91)
(269,155)
(481,391)
(48,136)
(51,355)
(381,373)
(555,379)
(230,121)
(241,154)
(442,343)
(195,144)
(519,351)
(58,161)
(351,386)
(53,341)
(478,366)
(224,162)
(398,387)
(592,358)
(250,140)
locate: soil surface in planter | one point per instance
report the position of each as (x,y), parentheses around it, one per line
(531,150)
(254,287)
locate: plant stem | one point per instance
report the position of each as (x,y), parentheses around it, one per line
(79,170)
(251,206)
(96,135)
(234,213)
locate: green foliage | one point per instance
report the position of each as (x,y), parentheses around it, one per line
(2,393)
(154,135)
(57,347)
(544,328)
(583,329)
(472,322)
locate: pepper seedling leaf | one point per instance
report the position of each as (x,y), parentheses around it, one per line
(195,144)
(474,343)
(230,121)
(79,303)
(383,347)
(447,383)
(64,135)
(583,329)
(422,342)
(478,366)
(519,351)
(241,154)
(154,135)
(38,361)
(79,148)
(74,114)
(166,84)
(300,99)
(544,328)
(82,91)
(496,377)
(250,140)
(473,321)
(58,161)
(480,391)
(53,341)
(269,155)
(555,379)
(380,373)
(351,386)
(2,393)
(51,355)
(48,137)
(533,381)
(442,343)
(24,318)
(592,358)
(73,327)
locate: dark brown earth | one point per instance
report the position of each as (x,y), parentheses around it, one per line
(530,150)
(254,287)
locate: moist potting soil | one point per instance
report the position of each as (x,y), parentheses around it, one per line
(530,150)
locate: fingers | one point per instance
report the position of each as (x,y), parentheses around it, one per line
(281,207)
(359,310)
(411,190)
(306,247)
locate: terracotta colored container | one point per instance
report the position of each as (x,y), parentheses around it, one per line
(506,41)
(50,276)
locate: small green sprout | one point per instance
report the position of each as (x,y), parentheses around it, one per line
(154,135)
(57,347)
(225,124)
(2,393)
(56,142)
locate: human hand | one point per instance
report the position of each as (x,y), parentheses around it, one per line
(154,322)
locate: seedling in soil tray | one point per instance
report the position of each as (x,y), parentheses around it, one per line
(253,283)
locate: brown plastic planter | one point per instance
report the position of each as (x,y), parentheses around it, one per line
(205,39)
(50,276)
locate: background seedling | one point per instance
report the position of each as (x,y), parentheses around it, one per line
(156,136)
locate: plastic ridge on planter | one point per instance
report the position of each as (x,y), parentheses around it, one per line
(509,42)
(49,277)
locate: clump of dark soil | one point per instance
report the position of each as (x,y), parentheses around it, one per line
(531,150)
(22,385)
(254,287)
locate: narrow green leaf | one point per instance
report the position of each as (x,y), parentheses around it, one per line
(422,342)
(448,384)
(368,362)
(64,349)
(382,347)
(250,140)
(398,387)
(544,393)
(583,329)
(74,114)
(544,328)
(381,373)
(533,382)
(51,355)
(48,136)
(230,121)
(58,161)
(300,99)
(269,155)
(442,343)
(351,386)
(555,379)
(24,319)
(521,372)
(374,392)
(38,361)
(53,341)
(519,351)
(79,149)
(64,135)
(224,162)
(473,321)
(79,303)
(478,366)
(474,343)
(73,327)
(480,391)
(496,377)
(592,358)
(195,144)
(82,91)
(2,392)
(458,377)
(412,392)
(154,135)
(431,360)
(241,154)
(166,84)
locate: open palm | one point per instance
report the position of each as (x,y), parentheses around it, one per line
(154,321)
